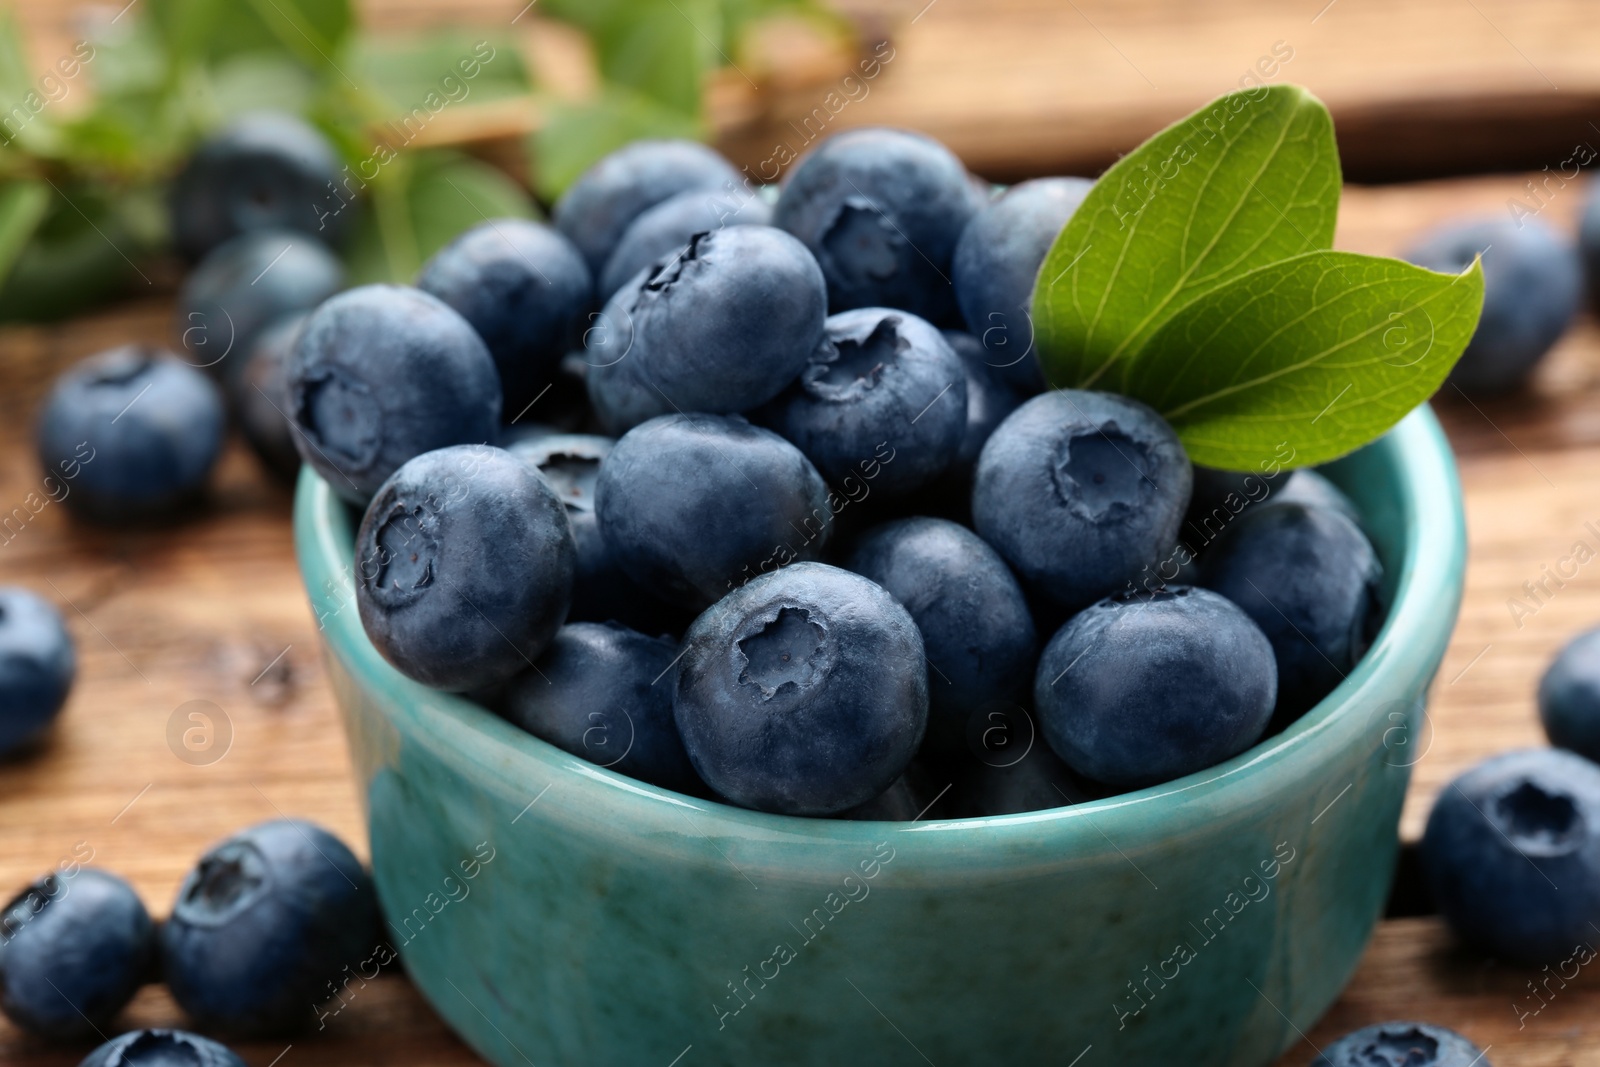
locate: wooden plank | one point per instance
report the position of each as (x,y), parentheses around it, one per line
(212,610)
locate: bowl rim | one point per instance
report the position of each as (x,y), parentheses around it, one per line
(1401,661)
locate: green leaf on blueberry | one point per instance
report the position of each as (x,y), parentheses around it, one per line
(1197,276)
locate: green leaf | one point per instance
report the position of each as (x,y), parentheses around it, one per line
(663,52)
(419,203)
(1249,179)
(23,205)
(1321,352)
(452,66)
(576,135)
(86,250)
(311,31)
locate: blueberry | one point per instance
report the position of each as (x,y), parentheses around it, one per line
(720,326)
(1146,687)
(266,170)
(693,505)
(598,208)
(601,589)
(1308,487)
(244,284)
(881,210)
(464,573)
(1081,492)
(37,665)
(161,1048)
(1402,1044)
(996,262)
(1219,497)
(1532,285)
(1569,697)
(525,289)
(974,622)
(382,373)
(883,398)
(132,433)
(75,950)
(603,692)
(910,797)
(260,396)
(1512,854)
(1310,579)
(1019,776)
(657,234)
(264,925)
(803,692)
(989,399)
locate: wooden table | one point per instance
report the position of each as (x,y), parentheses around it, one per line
(212,610)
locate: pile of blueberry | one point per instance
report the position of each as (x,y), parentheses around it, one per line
(763,497)
(264,929)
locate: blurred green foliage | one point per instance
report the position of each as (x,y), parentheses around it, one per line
(82,179)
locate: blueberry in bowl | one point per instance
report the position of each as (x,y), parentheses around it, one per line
(264,926)
(604,692)
(259,396)
(525,289)
(1532,286)
(242,286)
(1144,687)
(719,326)
(657,234)
(466,563)
(135,431)
(1081,492)
(882,397)
(38,662)
(803,692)
(597,209)
(161,1048)
(692,506)
(265,170)
(382,373)
(995,266)
(1512,853)
(75,950)
(882,210)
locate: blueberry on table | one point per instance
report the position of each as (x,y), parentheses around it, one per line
(259,395)
(74,950)
(692,506)
(720,326)
(37,665)
(130,434)
(603,692)
(161,1048)
(1311,580)
(243,285)
(1081,492)
(1532,286)
(525,289)
(803,692)
(996,263)
(383,373)
(881,209)
(1145,687)
(1402,1044)
(264,926)
(1569,697)
(597,209)
(1500,841)
(976,629)
(883,399)
(464,564)
(657,234)
(601,590)
(266,170)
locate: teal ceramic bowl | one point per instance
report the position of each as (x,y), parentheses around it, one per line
(557,913)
